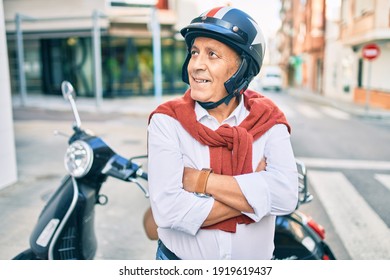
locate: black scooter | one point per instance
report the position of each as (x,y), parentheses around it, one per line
(65,227)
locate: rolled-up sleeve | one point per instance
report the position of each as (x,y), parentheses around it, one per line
(273,191)
(172,206)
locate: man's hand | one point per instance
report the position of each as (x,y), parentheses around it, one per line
(190,178)
(262,165)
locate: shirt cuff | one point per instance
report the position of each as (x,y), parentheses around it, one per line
(192,221)
(255,190)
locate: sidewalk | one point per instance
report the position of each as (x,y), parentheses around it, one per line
(144,105)
(349,107)
(135,105)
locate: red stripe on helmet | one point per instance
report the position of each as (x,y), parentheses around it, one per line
(212,12)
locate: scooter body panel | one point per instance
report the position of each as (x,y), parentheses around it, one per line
(65,228)
(51,216)
(295,240)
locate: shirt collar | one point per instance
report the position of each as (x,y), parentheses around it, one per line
(235,117)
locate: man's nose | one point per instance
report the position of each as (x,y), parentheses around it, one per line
(199,62)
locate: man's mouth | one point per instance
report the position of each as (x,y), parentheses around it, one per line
(201,81)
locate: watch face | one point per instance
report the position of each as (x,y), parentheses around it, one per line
(202,194)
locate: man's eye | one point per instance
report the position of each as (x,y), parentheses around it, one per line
(213,54)
(193,53)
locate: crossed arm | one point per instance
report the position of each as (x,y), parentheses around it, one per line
(229,199)
(271,192)
(229,195)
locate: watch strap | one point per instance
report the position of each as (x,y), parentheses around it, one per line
(202,180)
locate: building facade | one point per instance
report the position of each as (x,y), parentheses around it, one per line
(339,60)
(361,23)
(58,45)
(301,42)
(322,45)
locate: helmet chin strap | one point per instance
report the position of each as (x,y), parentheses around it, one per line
(212,105)
(226,99)
(235,86)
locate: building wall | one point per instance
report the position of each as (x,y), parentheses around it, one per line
(52,8)
(339,61)
(57,38)
(7,147)
(380,66)
(41,9)
(308,43)
(340,71)
(364,22)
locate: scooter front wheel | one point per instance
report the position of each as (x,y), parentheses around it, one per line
(26,255)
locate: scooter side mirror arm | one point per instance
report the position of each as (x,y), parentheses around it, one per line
(304,195)
(69,94)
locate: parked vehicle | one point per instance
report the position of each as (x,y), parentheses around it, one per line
(270,78)
(65,227)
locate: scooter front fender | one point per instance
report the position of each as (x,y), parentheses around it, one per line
(50,218)
(65,228)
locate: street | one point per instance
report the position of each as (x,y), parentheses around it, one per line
(349,174)
(346,156)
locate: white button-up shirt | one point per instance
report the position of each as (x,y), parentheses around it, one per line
(179,214)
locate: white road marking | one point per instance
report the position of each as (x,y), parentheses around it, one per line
(308,111)
(288,112)
(384,179)
(345,163)
(335,113)
(361,230)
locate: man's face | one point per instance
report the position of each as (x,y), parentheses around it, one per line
(212,63)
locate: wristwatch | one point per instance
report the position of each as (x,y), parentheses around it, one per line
(202,181)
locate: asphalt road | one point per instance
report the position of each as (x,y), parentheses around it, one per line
(348,166)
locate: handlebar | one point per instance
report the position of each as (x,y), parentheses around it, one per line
(125,170)
(142,174)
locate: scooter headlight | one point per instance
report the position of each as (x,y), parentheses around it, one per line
(78,158)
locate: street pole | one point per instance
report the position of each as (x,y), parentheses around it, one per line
(20,54)
(368,93)
(97,69)
(369,52)
(156,55)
